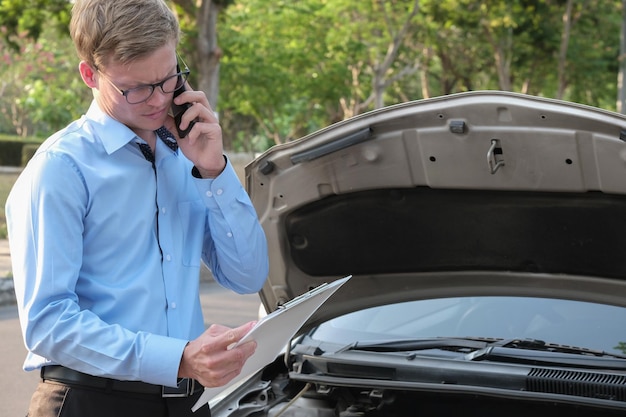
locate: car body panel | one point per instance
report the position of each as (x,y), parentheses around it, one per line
(484,235)
(417,189)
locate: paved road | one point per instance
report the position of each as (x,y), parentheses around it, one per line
(16,386)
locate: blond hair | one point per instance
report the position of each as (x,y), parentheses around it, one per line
(121,31)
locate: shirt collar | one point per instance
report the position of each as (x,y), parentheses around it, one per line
(116,133)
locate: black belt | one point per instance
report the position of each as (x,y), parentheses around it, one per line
(186,387)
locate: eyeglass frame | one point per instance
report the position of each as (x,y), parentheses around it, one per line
(184,73)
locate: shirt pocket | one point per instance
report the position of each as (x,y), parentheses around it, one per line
(192,215)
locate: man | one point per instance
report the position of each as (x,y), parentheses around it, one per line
(108,225)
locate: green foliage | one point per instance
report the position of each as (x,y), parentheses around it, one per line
(28,150)
(16,151)
(289,68)
(280,79)
(7,179)
(11,154)
(30,17)
(296,67)
(40,85)
(593,60)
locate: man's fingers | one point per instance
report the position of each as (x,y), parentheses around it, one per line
(217,361)
(222,366)
(235,335)
(242,330)
(216,329)
(247,349)
(223,338)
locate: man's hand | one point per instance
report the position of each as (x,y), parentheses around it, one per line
(203,144)
(209,360)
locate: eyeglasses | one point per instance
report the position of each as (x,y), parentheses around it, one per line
(142,93)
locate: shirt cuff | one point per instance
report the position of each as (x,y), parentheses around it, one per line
(221,190)
(161,359)
(196,173)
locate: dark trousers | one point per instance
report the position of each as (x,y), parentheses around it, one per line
(54,399)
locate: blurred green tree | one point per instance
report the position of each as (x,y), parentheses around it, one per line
(283,69)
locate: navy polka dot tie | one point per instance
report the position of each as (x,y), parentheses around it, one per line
(167,138)
(146,151)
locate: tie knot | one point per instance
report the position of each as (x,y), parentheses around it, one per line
(167,138)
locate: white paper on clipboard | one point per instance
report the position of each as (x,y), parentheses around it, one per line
(274,331)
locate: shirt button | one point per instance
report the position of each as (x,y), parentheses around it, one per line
(209,194)
(229,234)
(163,210)
(219,192)
(173,305)
(168,258)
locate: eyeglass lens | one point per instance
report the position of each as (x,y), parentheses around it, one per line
(169,85)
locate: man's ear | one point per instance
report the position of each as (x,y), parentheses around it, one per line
(88,74)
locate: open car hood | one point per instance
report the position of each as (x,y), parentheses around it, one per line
(479,193)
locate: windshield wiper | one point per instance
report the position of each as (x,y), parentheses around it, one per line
(536,344)
(538,352)
(522,351)
(403,345)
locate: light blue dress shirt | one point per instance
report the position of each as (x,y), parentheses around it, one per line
(107,252)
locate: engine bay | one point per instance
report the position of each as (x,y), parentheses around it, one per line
(274,393)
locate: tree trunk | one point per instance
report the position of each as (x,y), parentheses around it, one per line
(567,25)
(621,93)
(380,81)
(501,52)
(209,53)
(425,68)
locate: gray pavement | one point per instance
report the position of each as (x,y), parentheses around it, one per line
(7,296)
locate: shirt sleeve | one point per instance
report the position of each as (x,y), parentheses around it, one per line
(45,212)
(235,247)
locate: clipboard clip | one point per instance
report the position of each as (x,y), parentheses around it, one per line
(300,297)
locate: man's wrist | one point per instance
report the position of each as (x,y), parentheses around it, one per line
(182,371)
(208,173)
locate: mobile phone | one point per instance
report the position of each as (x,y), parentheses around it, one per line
(178,110)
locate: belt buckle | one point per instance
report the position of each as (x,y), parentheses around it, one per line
(183,389)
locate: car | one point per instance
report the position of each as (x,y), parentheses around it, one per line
(485,236)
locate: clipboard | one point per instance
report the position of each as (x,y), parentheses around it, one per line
(274,331)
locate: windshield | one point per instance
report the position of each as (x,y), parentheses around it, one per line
(571,323)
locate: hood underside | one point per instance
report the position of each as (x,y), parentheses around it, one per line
(481,193)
